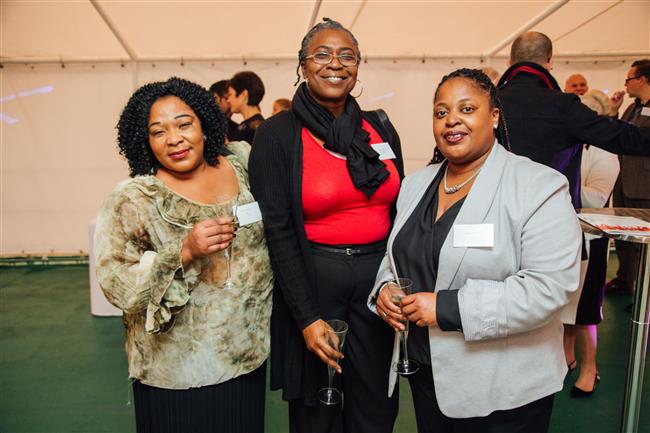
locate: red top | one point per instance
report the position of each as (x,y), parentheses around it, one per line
(335,212)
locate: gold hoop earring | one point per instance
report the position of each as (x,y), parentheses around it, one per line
(355,85)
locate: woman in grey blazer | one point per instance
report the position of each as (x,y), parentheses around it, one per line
(492,244)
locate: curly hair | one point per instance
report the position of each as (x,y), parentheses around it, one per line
(248,80)
(597,101)
(133,128)
(327,24)
(484,83)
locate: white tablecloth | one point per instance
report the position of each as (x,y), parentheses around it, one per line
(99,306)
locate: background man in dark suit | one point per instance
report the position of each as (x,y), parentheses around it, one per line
(550,126)
(632,188)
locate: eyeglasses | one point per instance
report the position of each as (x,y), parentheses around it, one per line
(632,78)
(325,58)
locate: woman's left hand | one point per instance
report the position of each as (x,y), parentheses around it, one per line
(420,308)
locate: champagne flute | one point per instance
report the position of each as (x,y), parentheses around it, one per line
(400,288)
(330,395)
(229,206)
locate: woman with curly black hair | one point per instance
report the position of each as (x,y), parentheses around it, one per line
(197,325)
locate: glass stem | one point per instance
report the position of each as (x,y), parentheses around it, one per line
(405,355)
(228,260)
(330,376)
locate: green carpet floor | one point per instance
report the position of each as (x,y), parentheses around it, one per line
(62,370)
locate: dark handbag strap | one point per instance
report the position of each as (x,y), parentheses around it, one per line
(383,118)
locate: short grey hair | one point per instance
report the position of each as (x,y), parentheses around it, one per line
(532,47)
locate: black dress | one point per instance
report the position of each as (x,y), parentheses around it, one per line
(246,130)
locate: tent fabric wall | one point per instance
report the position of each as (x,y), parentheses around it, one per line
(67,69)
(59,159)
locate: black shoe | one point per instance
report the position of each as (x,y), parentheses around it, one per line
(579,393)
(571,366)
(616,285)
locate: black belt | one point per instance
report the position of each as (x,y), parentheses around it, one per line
(354,250)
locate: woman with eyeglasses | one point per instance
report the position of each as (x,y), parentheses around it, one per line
(326,176)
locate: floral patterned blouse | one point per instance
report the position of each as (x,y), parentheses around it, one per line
(184,329)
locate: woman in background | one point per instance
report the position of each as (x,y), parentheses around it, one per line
(196,348)
(490,282)
(281,104)
(245,92)
(598,172)
(326,175)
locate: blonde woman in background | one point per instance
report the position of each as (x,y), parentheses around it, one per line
(599,170)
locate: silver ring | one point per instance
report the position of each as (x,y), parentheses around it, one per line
(383,313)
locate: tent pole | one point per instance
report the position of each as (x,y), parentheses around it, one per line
(568,55)
(588,20)
(358,14)
(116,33)
(529,25)
(314,14)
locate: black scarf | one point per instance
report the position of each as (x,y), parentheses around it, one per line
(343,135)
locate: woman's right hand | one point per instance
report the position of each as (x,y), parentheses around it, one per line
(388,310)
(207,237)
(317,336)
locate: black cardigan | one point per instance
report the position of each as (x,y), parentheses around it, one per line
(275,170)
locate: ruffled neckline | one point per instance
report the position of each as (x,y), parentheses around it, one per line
(179,210)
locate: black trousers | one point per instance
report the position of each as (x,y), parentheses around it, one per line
(628,253)
(531,418)
(344,283)
(236,405)
(590,305)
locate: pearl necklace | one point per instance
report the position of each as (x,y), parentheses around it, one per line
(455,188)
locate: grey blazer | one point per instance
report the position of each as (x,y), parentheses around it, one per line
(510,351)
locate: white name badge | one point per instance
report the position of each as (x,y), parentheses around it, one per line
(248,213)
(473,235)
(384,150)
(645,111)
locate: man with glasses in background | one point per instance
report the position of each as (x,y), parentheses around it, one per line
(632,188)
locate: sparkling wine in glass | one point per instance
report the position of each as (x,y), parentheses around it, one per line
(331,396)
(399,288)
(229,206)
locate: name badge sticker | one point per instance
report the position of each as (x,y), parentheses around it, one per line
(645,111)
(384,150)
(473,235)
(249,213)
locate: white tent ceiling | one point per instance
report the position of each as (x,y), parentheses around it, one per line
(99,30)
(68,67)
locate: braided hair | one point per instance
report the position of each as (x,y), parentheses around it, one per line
(133,128)
(327,24)
(483,82)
